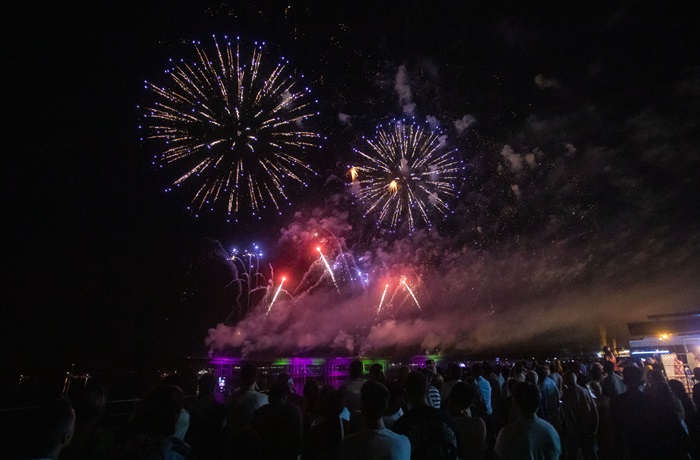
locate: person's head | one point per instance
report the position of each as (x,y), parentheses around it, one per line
(437,380)
(173,379)
(279,392)
(518,368)
(90,403)
(632,376)
(608,367)
(374,399)
(486,366)
(696,374)
(330,401)
(677,388)
(461,396)
(526,398)
(477,369)
(455,371)
(285,378)
(531,377)
(375,372)
(596,374)
(355,369)
(403,373)
(159,411)
(595,388)
(249,374)
(206,385)
(569,378)
(416,388)
(311,391)
(655,376)
(542,373)
(52,429)
(555,367)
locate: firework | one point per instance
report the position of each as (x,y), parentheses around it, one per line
(275,297)
(379,308)
(408,288)
(233,128)
(328,267)
(405,172)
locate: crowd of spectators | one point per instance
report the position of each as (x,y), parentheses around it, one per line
(600,409)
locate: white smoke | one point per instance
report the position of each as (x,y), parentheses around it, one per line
(403,90)
(463,123)
(544,83)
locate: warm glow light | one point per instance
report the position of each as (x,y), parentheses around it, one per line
(393,186)
(353,173)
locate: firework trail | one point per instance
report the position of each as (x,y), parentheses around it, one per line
(403,281)
(233,127)
(328,267)
(275,297)
(379,308)
(404,173)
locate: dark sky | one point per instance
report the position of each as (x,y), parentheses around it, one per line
(581,192)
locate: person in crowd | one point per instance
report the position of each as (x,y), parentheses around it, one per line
(496,399)
(278,425)
(505,376)
(471,431)
(351,389)
(604,437)
(643,427)
(311,392)
(294,398)
(394,410)
(91,440)
(376,373)
(433,391)
(375,441)
(658,387)
(151,429)
(454,375)
(555,373)
(528,436)
(183,422)
(612,383)
(549,409)
(326,428)
(689,409)
(432,433)
(531,377)
(580,419)
(609,355)
(518,371)
(206,434)
(483,386)
(51,430)
(595,372)
(241,441)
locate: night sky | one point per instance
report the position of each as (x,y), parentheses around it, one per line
(578,122)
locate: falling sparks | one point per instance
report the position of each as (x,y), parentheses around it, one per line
(408,288)
(233,128)
(407,171)
(328,267)
(353,174)
(275,297)
(381,301)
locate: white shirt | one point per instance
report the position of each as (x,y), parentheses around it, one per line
(382,444)
(528,439)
